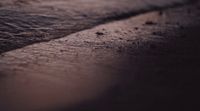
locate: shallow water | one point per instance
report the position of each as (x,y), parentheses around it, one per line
(24,22)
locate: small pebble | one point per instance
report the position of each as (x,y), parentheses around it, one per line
(1,55)
(136,28)
(160,13)
(157,33)
(62,50)
(99,33)
(119,50)
(150,23)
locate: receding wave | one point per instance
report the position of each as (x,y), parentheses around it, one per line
(24,22)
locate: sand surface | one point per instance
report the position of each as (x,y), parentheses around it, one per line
(146,62)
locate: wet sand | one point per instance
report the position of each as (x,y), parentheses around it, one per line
(146,62)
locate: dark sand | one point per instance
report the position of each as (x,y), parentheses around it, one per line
(143,63)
